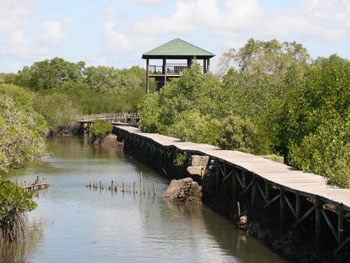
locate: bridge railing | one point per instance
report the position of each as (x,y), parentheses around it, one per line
(110,117)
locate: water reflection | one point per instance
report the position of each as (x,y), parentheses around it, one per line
(18,252)
(78,224)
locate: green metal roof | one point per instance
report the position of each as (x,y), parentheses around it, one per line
(177,48)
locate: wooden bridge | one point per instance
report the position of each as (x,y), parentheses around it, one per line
(297,195)
(110,117)
(120,119)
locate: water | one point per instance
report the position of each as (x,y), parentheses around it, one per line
(75,224)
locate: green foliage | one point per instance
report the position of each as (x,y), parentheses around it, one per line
(101,128)
(149,113)
(22,129)
(88,90)
(194,127)
(12,197)
(186,108)
(58,109)
(13,203)
(275,100)
(181,159)
(242,135)
(325,152)
(270,57)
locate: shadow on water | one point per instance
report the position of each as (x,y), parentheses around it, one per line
(218,233)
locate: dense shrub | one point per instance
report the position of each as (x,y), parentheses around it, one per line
(13,203)
(194,127)
(241,134)
(101,128)
(58,109)
(326,152)
(22,129)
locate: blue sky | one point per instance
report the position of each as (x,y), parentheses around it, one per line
(117,32)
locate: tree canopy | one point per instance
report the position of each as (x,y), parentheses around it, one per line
(271,98)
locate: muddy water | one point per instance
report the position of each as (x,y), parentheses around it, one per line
(75,224)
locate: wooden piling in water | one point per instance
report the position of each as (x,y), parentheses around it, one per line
(141,186)
(154,189)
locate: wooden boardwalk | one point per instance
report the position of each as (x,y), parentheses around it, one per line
(258,175)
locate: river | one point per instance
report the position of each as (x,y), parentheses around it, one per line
(73,223)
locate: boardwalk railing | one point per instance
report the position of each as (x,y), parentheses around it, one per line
(110,117)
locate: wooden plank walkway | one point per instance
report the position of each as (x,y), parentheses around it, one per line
(280,174)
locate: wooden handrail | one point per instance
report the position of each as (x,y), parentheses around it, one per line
(112,117)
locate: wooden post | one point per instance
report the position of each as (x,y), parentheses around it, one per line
(233,186)
(123,190)
(141,186)
(164,70)
(267,192)
(318,226)
(134,187)
(340,228)
(208,64)
(154,189)
(189,62)
(244,180)
(253,191)
(204,66)
(147,75)
(217,177)
(282,210)
(297,216)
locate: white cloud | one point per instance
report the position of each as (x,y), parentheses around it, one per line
(109,13)
(51,32)
(120,40)
(32,43)
(316,19)
(13,15)
(325,20)
(114,39)
(189,16)
(145,2)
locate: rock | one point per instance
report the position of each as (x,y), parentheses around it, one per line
(243,223)
(199,165)
(243,220)
(108,142)
(184,190)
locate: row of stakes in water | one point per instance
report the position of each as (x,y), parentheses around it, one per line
(25,184)
(125,189)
